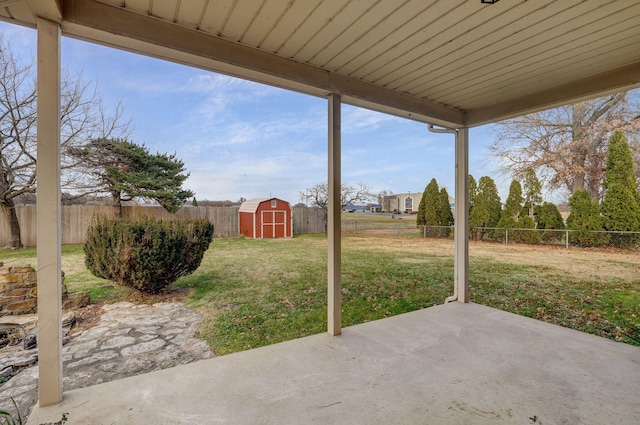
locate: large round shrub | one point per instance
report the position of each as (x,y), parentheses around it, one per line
(147,254)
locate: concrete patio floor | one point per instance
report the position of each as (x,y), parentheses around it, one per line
(450,364)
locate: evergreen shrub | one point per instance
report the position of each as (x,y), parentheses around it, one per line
(146,254)
(585,218)
(548,217)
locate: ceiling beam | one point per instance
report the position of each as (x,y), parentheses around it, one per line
(117,27)
(623,78)
(47,9)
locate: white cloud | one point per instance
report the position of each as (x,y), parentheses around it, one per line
(241,174)
(355,119)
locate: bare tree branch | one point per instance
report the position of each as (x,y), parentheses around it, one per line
(83,117)
(567,146)
(318,195)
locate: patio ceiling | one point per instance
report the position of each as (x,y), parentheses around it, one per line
(450,62)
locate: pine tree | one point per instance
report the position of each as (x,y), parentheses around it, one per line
(513,206)
(532,190)
(445,216)
(487,207)
(620,209)
(428,208)
(547,216)
(473,191)
(585,220)
(127,170)
(513,218)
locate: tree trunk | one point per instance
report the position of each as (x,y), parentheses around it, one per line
(117,203)
(325,211)
(10,213)
(531,210)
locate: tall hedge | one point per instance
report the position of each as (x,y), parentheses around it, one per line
(487,207)
(547,216)
(620,209)
(445,215)
(586,220)
(147,254)
(428,207)
(514,216)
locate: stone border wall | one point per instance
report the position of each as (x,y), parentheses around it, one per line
(19,291)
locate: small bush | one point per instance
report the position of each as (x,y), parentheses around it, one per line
(146,254)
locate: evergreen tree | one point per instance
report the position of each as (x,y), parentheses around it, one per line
(532,190)
(194,202)
(513,218)
(473,191)
(585,219)
(486,207)
(620,210)
(513,206)
(428,208)
(127,171)
(547,216)
(445,216)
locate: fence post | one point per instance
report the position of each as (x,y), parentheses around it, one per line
(506,236)
(424,231)
(566,239)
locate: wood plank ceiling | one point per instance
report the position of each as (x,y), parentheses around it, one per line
(455,62)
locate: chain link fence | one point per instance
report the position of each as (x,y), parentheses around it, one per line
(556,237)
(398,228)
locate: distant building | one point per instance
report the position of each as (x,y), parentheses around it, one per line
(402,202)
(354,208)
(406,202)
(374,208)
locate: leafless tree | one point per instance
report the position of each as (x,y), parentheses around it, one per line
(567,146)
(82,118)
(318,196)
(385,199)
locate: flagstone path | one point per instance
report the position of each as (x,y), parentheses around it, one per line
(130,339)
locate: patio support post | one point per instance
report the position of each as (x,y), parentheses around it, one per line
(334,310)
(461,230)
(48,215)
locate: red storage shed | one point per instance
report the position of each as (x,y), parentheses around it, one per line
(265,218)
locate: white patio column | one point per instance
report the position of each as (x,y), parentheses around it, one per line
(334,311)
(461,232)
(48,215)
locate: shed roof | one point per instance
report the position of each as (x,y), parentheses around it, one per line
(251,205)
(450,62)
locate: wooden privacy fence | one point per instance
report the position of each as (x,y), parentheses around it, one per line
(77,218)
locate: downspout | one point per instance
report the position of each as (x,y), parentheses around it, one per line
(433,129)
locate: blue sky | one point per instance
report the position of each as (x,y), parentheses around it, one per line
(243,139)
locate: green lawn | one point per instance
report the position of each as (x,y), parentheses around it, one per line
(258,292)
